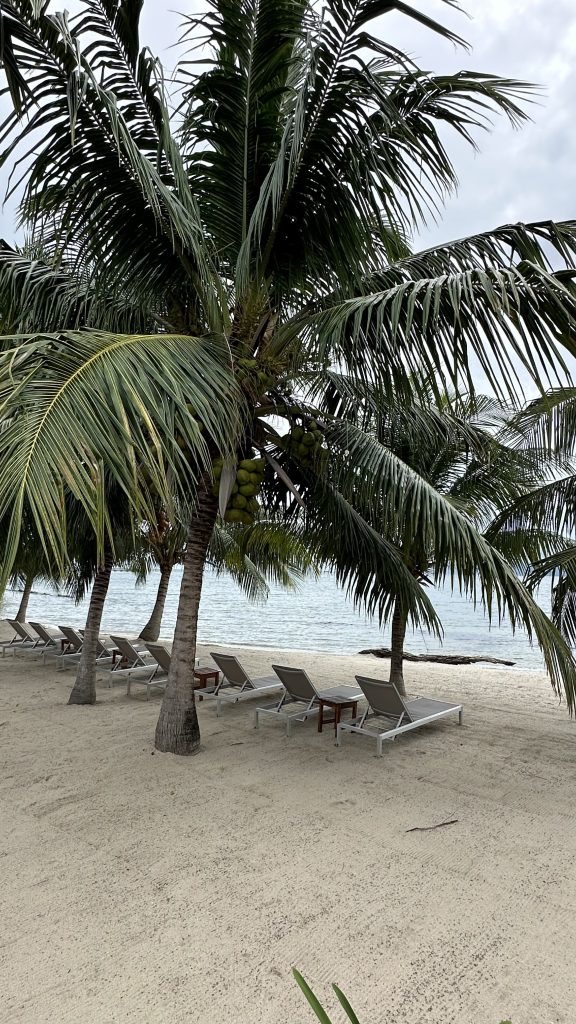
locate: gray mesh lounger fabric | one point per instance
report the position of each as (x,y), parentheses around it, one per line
(236,685)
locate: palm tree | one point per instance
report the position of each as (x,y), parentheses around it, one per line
(256,219)
(471,460)
(548,424)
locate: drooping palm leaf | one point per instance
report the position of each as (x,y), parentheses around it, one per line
(95,400)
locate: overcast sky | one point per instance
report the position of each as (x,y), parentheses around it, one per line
(526,175)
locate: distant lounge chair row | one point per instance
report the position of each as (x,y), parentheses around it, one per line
(152,668)
(63,644)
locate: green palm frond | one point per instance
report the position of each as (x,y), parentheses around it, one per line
(93,130)
(72,404)
(366,565)
(422,521)
(549,423)
(550,507)
(267,552)
(424,320)
(36,290)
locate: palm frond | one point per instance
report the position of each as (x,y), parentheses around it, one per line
(35,290)
(73,404)
(92,129)
(434,313)
(410,511)
(549,422)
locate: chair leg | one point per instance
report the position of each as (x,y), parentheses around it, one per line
(338,735)
(460,716)
(379,742)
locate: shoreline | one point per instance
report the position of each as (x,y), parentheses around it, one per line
(315,651)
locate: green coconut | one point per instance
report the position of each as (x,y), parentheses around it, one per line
(259,465)
(297,432)
(242,476)
(234,488)
(239,501)
(308,439)
(255,478)
(247,464)
(246,518)
(248,490)
(233,515)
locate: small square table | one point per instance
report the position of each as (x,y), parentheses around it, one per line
(203,675)
(338,705)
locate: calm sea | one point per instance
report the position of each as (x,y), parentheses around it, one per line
(315,617)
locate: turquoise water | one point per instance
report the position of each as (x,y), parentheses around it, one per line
(315,617)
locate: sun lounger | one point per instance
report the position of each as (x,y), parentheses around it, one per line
(22,637)
(236,685)
(133,661)
(158,669)
(385,702)
(50,640)
(72,649)
(300,699)
(42,639)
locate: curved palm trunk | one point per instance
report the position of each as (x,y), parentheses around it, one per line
(151,631)
(23,606)
(398,633)
(177,731)
(84,689)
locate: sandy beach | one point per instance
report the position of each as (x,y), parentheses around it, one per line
(141,888)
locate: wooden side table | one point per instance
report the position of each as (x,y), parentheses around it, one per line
(338,705)
(203,675)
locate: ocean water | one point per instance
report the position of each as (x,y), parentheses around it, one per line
(317,616)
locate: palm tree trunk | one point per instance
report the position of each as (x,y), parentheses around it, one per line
(398,632)
(151,631)
(23,606)
(177,731)
(84,689)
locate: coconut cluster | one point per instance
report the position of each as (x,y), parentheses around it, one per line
(305,442)
(242,504)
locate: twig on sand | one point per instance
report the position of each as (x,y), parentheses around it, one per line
(429,828)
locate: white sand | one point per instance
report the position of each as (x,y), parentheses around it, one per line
(164,890)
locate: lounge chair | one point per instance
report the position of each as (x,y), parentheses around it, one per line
(300,690)
(384,701)
(22,637)
(133,660)
(41,638)
(236,685)
(157,668)
(73,648)
(50,641)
